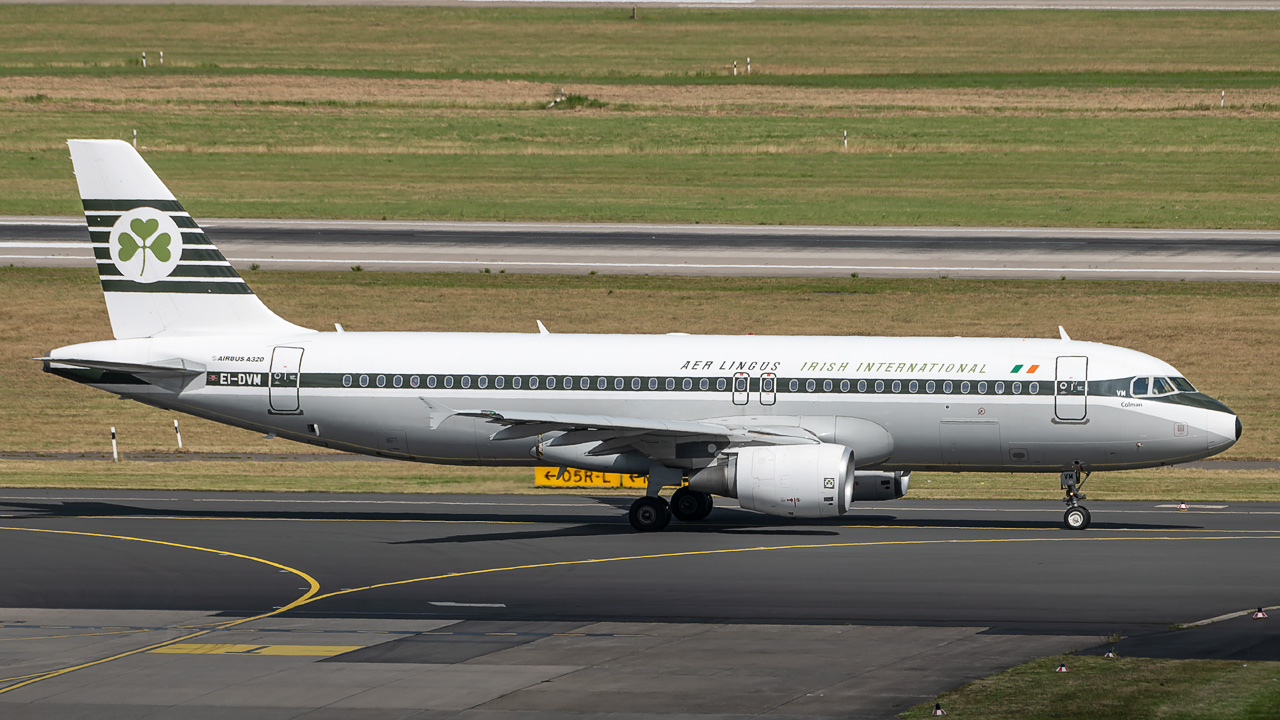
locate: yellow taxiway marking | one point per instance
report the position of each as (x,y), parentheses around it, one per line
(313,588)
(312,595)
(226,649)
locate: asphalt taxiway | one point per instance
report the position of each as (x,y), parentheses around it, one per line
(168,604)
(698,249)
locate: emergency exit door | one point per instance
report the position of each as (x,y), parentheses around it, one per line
(1071,389)
(286,376)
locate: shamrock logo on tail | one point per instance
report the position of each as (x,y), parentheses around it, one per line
(144,243)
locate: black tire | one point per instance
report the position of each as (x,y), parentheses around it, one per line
(1076,518)
(649,514)
(690,505)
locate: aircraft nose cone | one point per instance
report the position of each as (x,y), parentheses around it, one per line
(1224,429)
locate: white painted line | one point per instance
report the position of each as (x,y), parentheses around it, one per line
(1196,507)
(44,245)
(735,266)
(352,501)
(458,604)
(1229,616)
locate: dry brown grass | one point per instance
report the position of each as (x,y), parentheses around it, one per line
(683,98)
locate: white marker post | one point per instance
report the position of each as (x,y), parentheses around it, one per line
(177,432)
(846,139)
(144,59)
(735,68)
(161,57)
(748,66)
(1223,102)
(115,453)
(135,139)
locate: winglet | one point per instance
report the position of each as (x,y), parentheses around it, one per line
(1063,333)
(542,329)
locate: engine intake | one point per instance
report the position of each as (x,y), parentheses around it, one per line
(804,481)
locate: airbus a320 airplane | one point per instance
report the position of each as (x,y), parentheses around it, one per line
(793,426)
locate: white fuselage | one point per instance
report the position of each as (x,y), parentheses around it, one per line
(1018,405)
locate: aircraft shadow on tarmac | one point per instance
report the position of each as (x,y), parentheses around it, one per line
(570,524)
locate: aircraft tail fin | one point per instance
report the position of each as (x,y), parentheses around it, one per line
(160,273)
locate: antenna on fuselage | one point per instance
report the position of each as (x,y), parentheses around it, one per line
(1063,333)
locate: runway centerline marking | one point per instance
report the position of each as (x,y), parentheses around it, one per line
(313,588)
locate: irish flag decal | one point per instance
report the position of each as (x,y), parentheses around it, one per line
(1029,369)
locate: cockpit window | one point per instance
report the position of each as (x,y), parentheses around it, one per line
(1161,386)
(1183,384)
(1141,386)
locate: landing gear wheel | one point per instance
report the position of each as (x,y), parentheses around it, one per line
(1076,518)
(649,514)
(690,505)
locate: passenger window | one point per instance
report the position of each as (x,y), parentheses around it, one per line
(602,384)
(947,386)
(1140,386)
(687,384)
(1017,388)
(499,382)
(619,384)
(533,382)
(585,383)
(346,381)
(466,381)
(879,386)
(431,381)
(897,386)
(914,386)
(635,383)
(482,381)
(930,386)
(720,384)
(964,387)
(794,385)
(1034,388)
(653,383)
(740,384)
(382,381)
(999,388)
(844,386)
(862,386)
(568,383)
(397,381)
(671,383)
(826,386)
(704,384)
(413,381)
(982,388)
(448,380)
(551,383)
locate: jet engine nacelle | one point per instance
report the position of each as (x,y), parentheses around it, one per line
(808,481)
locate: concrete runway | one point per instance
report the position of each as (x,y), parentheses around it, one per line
(699,250)
(178,604)
(1180,5)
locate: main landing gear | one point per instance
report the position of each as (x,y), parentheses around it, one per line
(1076,517)
(651,513)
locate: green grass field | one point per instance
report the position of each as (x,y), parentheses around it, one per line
(954,118)
(1118,689)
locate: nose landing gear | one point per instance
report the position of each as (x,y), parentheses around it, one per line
(1076,517)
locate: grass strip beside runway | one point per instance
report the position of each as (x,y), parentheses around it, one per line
(953,117)
(1118,688)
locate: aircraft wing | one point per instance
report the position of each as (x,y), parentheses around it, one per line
(613,434)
